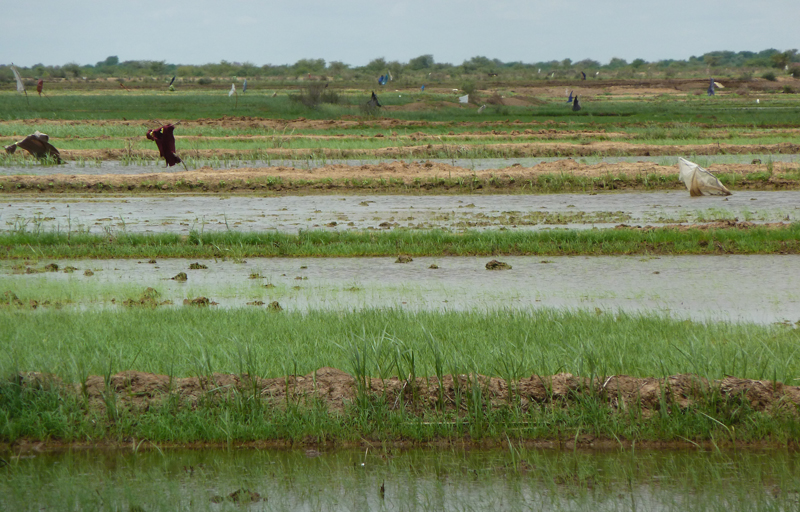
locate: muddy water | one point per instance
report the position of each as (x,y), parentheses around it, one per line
(761,289)
(184,213)
(477,164)
(442,480)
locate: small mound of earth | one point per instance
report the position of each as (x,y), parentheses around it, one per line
(199,301)
(149,298)
(404,258)
(181,276)
(274,306)
(197,266)
(497,265)
(239,496)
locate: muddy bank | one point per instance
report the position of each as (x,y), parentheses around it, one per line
(399,176)
(452,149)
(139,391)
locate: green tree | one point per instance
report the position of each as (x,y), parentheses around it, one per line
(421,62)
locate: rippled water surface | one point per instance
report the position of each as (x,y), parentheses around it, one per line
(762,289)
(185,213)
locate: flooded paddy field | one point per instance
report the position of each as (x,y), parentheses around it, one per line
(755,288)
(514,478)
(187,213)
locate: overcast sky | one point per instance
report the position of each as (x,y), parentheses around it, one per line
(56,32)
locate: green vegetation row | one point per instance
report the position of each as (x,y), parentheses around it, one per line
(190,341)
(231,244)
(508,344)
(737,108)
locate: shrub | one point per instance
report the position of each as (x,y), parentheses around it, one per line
(769,75)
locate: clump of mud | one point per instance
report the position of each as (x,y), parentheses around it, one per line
(181,276)
(10,298)
(404,258)
(197,266)
(497,265)
(239,496)
(199,301)
(274,306)
(88,272)
(149,298)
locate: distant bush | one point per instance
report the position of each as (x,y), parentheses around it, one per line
(314,94)
(769,75)
(204,81)
(787,89)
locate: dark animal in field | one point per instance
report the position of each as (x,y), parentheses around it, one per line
(576,105)
(165,140)
(373,102)
(38,145)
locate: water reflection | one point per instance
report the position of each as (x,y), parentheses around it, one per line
(418,479)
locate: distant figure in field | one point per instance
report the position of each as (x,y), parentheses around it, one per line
(38,145)
(373,102)
(576,106)
(583,75)
(569,100)
(711,88)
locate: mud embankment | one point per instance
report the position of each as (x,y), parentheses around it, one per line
(138,391)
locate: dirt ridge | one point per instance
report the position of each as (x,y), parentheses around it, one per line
(138,391)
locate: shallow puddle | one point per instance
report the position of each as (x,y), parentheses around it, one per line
(143,479)
(761,289)
(185,213)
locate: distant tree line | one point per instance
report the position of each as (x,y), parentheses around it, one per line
(424,67)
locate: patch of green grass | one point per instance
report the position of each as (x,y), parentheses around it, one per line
(188,341)
(25,244)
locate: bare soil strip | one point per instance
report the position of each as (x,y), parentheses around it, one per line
(383,176)
(138,391)
(455,150)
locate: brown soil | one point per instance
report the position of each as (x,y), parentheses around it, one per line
(138,391)
(339,178)
(436,148)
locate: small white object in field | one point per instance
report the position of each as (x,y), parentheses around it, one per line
(463,99)
(232,91)
(699,181)
(758,100)
(483,107)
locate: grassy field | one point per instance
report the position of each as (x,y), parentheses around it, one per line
(190,342)
(33,245)
(96,125)
(511,345)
